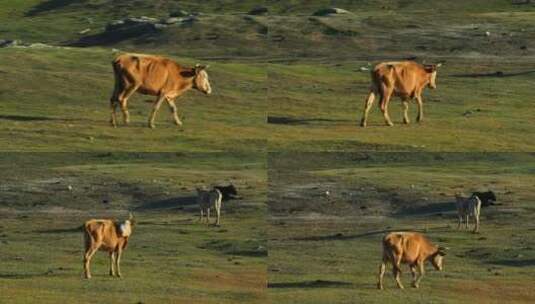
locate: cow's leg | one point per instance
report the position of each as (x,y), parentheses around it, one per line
(113,119)
(466,218)
(476,228)
(367,106)
(112,262)
(397,276)
(382,270)
(123,101)
(202,215)
(114,100)
(118,262)
(385,100)
(420,117)
(174,111)
(405,112)
(208,215)
(421,270)
(87,260)
(155,108)
(413,272)
(460,217)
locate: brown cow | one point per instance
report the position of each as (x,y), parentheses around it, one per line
(156,76)
(406,79)
(106,235)
(409,248)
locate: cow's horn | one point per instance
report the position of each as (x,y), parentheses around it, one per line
(439,64)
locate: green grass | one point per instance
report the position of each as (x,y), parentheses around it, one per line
(327,250)
(58,100)
(171,258)
(318,107)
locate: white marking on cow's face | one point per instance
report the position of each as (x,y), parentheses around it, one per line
(438,262)
(126,228)
(433,80)
(202,83)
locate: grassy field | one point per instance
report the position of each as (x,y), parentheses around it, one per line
(58,100)
(171,257)
(327,249)
(278,68)
(282,124)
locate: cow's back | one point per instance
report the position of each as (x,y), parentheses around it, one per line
(406,244)
(399,76)
(154,73)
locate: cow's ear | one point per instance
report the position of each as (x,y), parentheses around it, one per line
(430,68)
(442,250)
(439,65)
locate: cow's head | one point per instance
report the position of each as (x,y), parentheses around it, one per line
(431,70)
(200,81)
(437,259)
(126,226)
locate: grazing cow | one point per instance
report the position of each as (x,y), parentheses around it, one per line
(106,235)
(487,198)
(466,207)
(209,199)
(406,79)
(156,76)
(228,192)
(410,248)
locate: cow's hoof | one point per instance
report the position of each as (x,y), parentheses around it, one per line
(406,122)
(415,286)
(152,126)
(380,287)
(389,124)
(88,277)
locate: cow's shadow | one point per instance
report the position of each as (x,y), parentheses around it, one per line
(514,263)
(429,209)
(492,74)
(25,118)
(311,284)
(184,203)
(280,120)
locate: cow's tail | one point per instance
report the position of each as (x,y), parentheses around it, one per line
(87,238)
(116,64)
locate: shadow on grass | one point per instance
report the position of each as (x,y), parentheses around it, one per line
(176,203)
(302,121)
(141,33)
(64,230)
(50,5)
(25,118)
(311,284)
(433,208)
(340,236)
(514,263)
(493,74)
